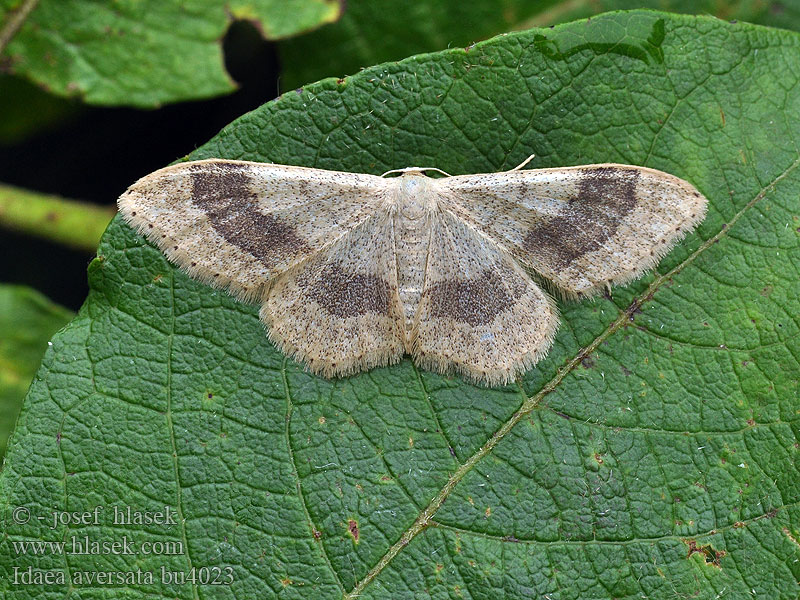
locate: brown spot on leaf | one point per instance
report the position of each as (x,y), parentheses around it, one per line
(605,197)
(633,309)
(223,193)
(710,555)
(345,294)
(352,527)
(473,301)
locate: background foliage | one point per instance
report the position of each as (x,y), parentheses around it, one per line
(652,454)
(27,321)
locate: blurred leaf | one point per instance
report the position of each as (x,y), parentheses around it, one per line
(775,13)
(653,453)
(142,52)
(374,31)
(27,321)
(27,109)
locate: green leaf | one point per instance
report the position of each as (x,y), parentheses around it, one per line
(140,53)
(27,321)
(374,31)
(653,453)
(774,14)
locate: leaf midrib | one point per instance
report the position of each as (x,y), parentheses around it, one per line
(296,476)
(423,521)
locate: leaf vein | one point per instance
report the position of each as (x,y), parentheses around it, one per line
(299,487)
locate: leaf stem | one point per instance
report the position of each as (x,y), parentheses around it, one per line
(15,21)
(69,222)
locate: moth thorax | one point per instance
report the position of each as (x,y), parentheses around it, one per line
(414,197)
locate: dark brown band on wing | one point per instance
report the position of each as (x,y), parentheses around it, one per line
(223,194)
(474,301)
(344,294)
(605,197)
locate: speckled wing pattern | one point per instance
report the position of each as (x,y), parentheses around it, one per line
(353,270)
(479,314)
(238,225)
(340,311)
(581,228)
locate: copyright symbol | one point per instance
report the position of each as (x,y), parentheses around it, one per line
(21,515)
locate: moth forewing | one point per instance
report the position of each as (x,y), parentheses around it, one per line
(238,224)
(582,228)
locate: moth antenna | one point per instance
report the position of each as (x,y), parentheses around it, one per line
(523,163)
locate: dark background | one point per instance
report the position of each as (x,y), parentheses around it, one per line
(96,153)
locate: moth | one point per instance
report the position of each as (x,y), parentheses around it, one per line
(353,271)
